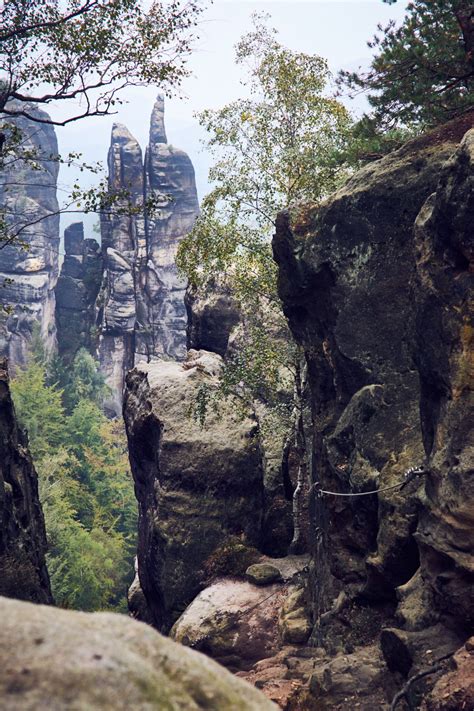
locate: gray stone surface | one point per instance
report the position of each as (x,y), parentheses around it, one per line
(196,486)
(23,572)
(62,660)
(381,311)
(29,198)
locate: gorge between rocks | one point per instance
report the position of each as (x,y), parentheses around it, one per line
(242,598)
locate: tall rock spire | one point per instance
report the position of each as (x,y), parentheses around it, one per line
(123,241)
(141,312)
(169,174)
(157,123)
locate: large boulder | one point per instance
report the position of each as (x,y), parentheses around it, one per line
(23,572)
(197,485)
(382,317)
(233,621)
(240,622)
(58,659)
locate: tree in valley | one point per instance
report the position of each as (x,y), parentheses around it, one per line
(85,484)
(277,147)
(422,73)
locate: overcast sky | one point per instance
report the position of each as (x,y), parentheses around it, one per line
(335,29)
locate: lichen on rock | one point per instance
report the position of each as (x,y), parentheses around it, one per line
(62,659)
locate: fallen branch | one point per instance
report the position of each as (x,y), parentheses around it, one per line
(436,667)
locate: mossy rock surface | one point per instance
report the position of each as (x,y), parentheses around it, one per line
(59,659)
(263,574)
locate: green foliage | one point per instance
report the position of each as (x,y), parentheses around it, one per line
(370,142)
(274,149)
(83,381)
(90,50)
(423,71)
(74,58)
(40,410)
(85,485)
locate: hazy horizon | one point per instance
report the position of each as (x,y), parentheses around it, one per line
(337,30)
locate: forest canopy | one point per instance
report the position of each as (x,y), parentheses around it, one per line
(85,484)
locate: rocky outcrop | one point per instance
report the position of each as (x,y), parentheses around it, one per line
(375,284)
(213,316)
(240,622)
(61,659)
(141,312)
(169,174)
(196,485)
(455,690)
(23,572)
(28,274)
(216,323)
(444,359)
(348,282)
(76,292)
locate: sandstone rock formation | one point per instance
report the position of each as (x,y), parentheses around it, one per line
(23,572)
(213,316)
(141,312)
(353,261)
(28,276)
(444,358)
(169,174)
(58,659)
(120,311)
(76,292)
(455,690)
(375,283)
(239,622)
(217,622)
(195,485)
(215,323)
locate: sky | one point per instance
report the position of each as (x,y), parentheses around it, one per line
(337,30)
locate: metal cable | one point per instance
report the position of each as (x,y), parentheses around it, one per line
(409,476)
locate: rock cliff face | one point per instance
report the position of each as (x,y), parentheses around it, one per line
(169,174)
(381,309)
(444,357)
(216,324)
(212,317)
(28,276)
(62,659)
(76,291)
(23,571)
(196,486)
(141,312)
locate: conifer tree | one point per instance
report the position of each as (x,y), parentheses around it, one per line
(422,73)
